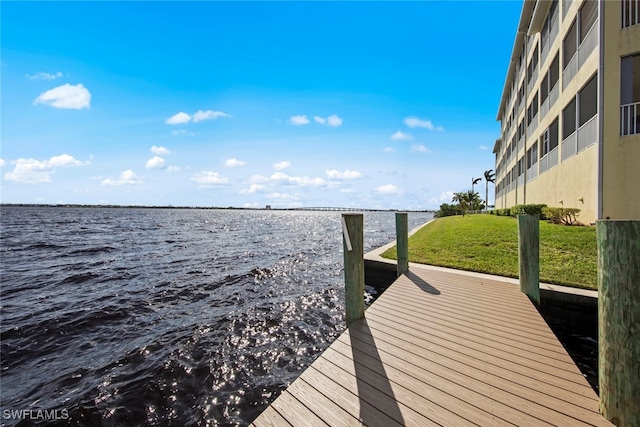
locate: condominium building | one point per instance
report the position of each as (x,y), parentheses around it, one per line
(570,109)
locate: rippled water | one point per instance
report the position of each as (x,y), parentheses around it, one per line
(167,317)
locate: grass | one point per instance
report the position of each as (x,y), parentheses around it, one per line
(489,244)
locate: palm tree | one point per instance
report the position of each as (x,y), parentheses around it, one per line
(473,200)
(461,199)
(489,176)
(474,181)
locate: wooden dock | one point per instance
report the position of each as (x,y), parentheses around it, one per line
(441,348)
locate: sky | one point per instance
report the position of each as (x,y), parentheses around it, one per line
(382,105)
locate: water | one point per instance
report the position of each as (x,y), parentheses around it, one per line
(167,317)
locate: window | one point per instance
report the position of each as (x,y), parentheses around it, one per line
(630,13)
(532,64)
(554,71)
(544,88)
(532,156)
(532,110)
(630,95)
(544,143)
(553,135)
(630,79)
(520,166)
(587,17)
(588,101)
(550,79)
(570,45)
(569,119)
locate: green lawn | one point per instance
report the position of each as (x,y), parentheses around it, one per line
(489,244)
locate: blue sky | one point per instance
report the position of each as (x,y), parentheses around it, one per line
(359,104)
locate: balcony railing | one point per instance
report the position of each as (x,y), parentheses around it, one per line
(553,158)
(551,37)
(582,54)
(630,119)
(532,172)
(569,146)
(521,180)
(589,44)
(588,133)
(565,7)
(630,13)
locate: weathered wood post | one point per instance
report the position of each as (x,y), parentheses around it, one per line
(402,242)
(529,255)
(619,320)
(353,248)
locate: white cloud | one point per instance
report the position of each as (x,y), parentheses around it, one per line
(178,119)
(283,196)
(160,151)
(299,120)
(254,188)
(32,171)
(207,179)
(127,177)
(281,165)
(388,189)
(334,121)
(335,174)
(414,122)
(319,119)
(234,163)
(172,169)
(420,149)
(250,205)
(1,163)
(45,76)
(208,115)
(446,196)
(483,147)
(178,132)
(257,179)
(66,96)
(347,190)
(301,181)
(401,135)
(155,163)
(389,150)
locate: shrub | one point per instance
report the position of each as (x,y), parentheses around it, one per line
(528,209)
(448,210)
(503,212)
(567,216)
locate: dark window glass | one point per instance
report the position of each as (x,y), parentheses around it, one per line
(588,14)
(544,88)
(569,45)
(554,71)
(569,119)
(588,101)
(553,135)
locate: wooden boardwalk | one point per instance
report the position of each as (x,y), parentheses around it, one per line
(441,348)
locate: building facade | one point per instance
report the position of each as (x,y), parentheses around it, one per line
(570,109)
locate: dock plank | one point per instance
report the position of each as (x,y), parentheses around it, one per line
(442,348)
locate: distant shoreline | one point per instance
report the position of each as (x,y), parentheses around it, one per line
(321,209)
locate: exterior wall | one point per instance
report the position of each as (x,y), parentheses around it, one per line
(576,177)
(620,154)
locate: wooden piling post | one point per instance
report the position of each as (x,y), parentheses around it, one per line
(529,255)
(619,320)
(402,242)
(353,248)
